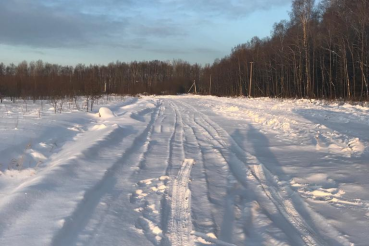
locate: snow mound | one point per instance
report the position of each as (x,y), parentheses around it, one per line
(105,113)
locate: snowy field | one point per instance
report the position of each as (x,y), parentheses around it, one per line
(184,170)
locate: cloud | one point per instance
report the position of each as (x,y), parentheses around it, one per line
(79,23)
(205,50)
(240,8)
(168,50)
(156,26)
(32,24)
(181,51)
(225,8)
(161,28)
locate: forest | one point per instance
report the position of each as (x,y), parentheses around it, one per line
(320,52)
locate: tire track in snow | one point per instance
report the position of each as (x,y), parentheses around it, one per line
(293,209)
(75,224)
(288,212)
(156,162)
(176,153)
(178,232)
(297,232)
(190,148)
(229,225)
(30,202)
(148,139)
(209,213)
(223,221)
(295,216)
(239,170)
(173,205)
(162,142)
(180,221)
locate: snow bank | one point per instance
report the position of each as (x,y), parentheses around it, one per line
(105,113)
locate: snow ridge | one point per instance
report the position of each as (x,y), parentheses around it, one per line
(180,224)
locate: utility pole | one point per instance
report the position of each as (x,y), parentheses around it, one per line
(250,85)
(210,86)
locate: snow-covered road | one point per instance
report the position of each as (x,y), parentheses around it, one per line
(266,172)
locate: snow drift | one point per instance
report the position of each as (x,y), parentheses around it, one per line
(106,113)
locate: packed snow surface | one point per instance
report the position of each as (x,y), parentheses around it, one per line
(184,170)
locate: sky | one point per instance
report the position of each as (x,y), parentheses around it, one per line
(69,32)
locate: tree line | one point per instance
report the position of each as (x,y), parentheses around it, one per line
(320,52)
(39,80)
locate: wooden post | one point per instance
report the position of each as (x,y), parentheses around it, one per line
(193,85)
(250,85)
(190,88)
